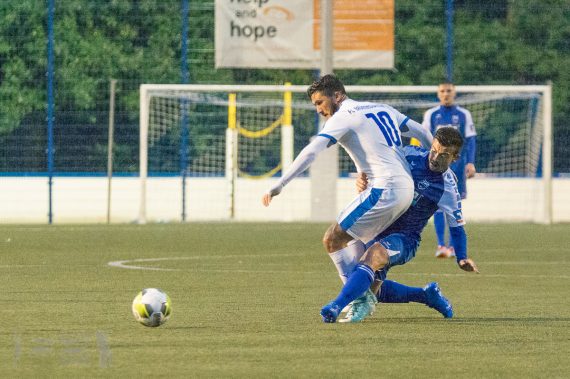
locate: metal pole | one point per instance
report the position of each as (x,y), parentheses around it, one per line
(110,145)
(324,170)
(327,20)
(144,104)
(184,133)
(50,104)
(547,154)
(449,41)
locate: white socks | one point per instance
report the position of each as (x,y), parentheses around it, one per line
(347,258)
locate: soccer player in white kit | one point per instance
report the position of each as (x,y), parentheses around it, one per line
(371,134)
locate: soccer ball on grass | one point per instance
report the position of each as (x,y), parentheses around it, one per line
(152,307)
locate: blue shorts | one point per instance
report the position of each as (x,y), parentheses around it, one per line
(401,249)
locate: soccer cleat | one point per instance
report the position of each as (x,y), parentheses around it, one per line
(435,300)
(347,308)
(330,312)
(451,252)
(349,314)
(441,252)
(362,307)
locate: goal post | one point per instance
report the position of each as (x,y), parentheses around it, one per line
(232,101)
(241,137)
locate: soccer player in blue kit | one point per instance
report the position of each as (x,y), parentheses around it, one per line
(435,188)
(371,134)
(450,114)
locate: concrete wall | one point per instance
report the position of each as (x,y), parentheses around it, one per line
(84,200)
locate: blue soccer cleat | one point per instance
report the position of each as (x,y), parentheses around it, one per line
(435,300)
(330,312)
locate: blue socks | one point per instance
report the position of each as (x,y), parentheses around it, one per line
(394,292)
(390,292)
(358,282)
(439,224)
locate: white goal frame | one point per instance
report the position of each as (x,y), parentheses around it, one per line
(147,91)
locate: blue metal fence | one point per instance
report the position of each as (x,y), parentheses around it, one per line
(56,62)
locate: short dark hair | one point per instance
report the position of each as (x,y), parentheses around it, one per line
(449,137)
(328,85)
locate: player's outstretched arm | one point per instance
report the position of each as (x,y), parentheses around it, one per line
(460,243)
(266,199)
(300,164)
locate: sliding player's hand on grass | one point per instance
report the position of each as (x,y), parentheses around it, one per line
(361,182)
(468,265)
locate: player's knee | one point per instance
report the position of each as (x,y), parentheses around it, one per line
(328,240)
(335,238)
(376,257)
(331,243)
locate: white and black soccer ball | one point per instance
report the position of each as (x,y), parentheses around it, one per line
(152,307)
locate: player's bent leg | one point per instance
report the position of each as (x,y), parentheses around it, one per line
(430,295)
(336,238)
(357,285)
(375,258)
(348,255)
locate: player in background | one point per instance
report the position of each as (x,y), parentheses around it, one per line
(435,188)
(450,114)
(372,136)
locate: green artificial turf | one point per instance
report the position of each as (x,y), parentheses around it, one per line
(246,300)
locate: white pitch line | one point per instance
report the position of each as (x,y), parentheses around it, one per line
(124,264)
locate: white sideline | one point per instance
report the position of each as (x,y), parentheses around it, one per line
(124,264)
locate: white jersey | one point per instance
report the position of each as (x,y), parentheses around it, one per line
(370,134)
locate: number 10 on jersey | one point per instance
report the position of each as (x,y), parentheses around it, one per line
(387,127)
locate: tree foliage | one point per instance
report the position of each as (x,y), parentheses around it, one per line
(138,41)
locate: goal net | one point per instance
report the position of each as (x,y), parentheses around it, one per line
(209,152)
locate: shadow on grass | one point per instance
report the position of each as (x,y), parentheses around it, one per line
(510,319)
(467,320)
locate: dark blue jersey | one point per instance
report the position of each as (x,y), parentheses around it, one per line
(433,191)
(460,119)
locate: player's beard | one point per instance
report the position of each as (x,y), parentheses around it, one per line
(334,107)
(436,166)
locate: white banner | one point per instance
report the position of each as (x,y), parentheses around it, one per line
(286,34)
